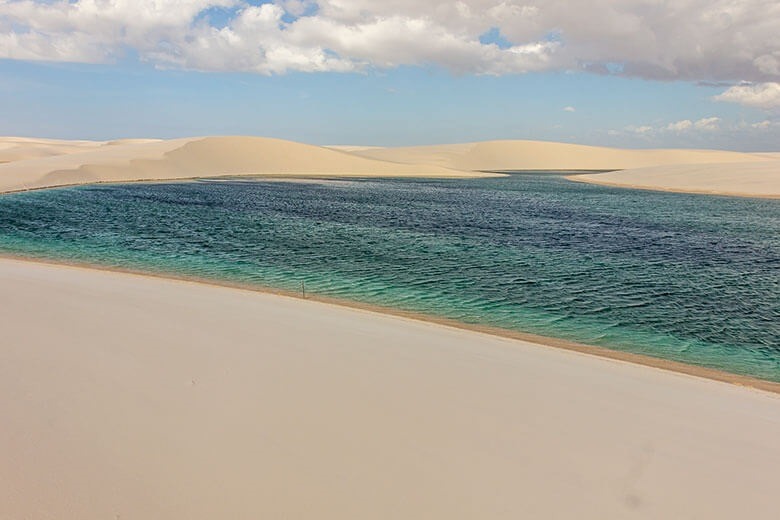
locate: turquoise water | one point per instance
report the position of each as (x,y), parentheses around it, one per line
(684,277)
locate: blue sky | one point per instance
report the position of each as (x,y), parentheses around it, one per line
(372,90)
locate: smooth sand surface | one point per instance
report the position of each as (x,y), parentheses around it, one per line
(135,160)
(752,179)
(125,396)
(541,155)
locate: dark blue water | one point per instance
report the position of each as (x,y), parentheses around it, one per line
(685,277)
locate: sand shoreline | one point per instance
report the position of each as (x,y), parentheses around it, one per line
(758,179)
(678,367)
(280,177)
(626,186)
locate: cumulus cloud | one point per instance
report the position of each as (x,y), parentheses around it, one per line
(761,95)
(569,109)
(700,40)
(680,126)
(708,124)
(705,124)
(644,130)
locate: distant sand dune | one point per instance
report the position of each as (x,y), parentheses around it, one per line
(199,157)
(31,163)
(540,155)
(23,148)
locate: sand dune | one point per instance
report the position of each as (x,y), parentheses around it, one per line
(124,396)
(540,155)
(753,179)
(22,148)
(198,157)
(29,163)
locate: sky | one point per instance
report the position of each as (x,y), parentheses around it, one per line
(629,73)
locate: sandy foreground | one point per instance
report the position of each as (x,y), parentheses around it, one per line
(27,163)
(125,396)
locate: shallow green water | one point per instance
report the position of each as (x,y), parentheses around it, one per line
(684,277)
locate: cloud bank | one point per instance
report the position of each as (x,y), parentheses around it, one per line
(762,95)
(692,40)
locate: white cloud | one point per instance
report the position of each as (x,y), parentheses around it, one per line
(680,126)
(641,130)
(569,109)
(761,95)
(708,124)
(762,125)
(686,39)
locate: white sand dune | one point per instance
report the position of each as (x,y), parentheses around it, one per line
(541,155)
(197,157)
(124,396)
(753,179)
(22,148)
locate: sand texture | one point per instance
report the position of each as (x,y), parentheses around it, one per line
(125,396)
(750,179)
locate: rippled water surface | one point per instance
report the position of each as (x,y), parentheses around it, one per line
(685,277)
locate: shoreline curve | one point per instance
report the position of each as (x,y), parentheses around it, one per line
(678,367)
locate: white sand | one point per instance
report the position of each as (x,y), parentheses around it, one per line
(131,397)
(133,160)
(541,155)
(753,179)
(21,148)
